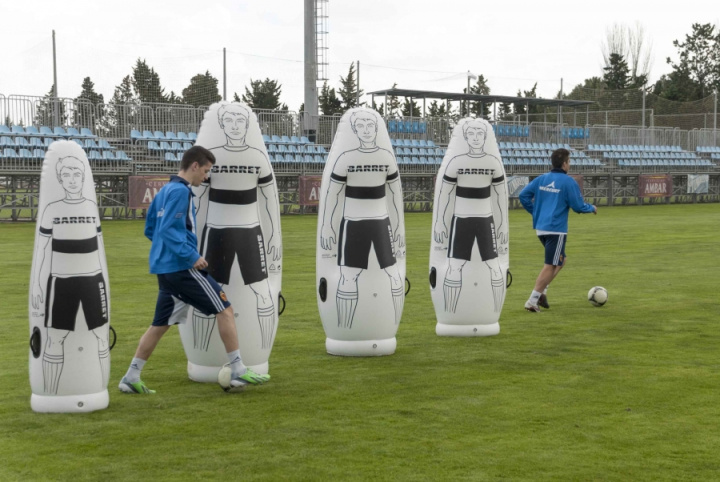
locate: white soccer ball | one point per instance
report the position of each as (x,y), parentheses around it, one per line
(597,296)
(224,376)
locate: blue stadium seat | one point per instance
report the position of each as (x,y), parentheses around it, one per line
(266,139)
(164,146)
(186,145)
(176,146)
(148,135)
(304,140)
(159,135)
(21,142)
(89,144)
(318,159)
(135,135)
(38,153)
(58,131)
(85,132)
(18,130)
(73,132)
(122,156)
(31,131)
(170,156)
(423,127)
(309,159)
(182,136)
(94,156)
(320,149)
(104,144)
(285,139)
(276,139)
(78,142)
(295,139)
(4,130)
(192,136)
(9,153)
(292,149)
(108,155)
(153,147)
(310,149)
(415,127)
(25,154)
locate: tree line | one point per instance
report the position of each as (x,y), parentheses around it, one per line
(627,62)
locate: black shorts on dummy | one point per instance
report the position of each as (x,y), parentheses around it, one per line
(464,232)
(64,296)
(221,245)
(356,239)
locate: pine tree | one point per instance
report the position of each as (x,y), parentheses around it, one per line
(265,94)
(121,111)
(349,93)
(50,111)
(202,91)
(89,106)
(410,108)
(393,104)
(147,83)
(480,109)
(617,73)
(328,102)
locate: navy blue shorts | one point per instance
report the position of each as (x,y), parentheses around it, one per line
(554,248)
(180,290)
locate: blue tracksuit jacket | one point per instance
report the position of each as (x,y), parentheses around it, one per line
(170,225)
(549,198)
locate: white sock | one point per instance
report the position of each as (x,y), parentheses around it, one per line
(236,364)
(534,297)
(133,373)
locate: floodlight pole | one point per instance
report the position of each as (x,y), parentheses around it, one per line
(224,75)
(357,92)
(715,118)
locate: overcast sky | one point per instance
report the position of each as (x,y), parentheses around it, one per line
(418,45)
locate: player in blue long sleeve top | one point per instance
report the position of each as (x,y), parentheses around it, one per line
(182,281)
(549,199)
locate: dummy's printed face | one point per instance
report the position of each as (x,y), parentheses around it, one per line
(235,125)
(475,137)
(366,129)
(71,180)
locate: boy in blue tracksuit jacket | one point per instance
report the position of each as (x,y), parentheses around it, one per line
(182,281)
(549,198)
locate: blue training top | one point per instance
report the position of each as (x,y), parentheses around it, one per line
(549,198)
(170,225)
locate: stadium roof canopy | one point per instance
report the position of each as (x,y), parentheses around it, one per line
(505,99)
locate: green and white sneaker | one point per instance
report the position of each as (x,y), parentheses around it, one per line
(137,387)
(247,378)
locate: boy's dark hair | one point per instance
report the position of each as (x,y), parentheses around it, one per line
(559,156)
(196,154)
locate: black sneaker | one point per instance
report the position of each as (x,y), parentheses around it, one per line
(543,302)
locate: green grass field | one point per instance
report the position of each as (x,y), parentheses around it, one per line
(629,391)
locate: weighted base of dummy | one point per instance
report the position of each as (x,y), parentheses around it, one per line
(70,403)
(442,329)
(361,348)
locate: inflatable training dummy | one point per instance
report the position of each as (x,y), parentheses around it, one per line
(238,222)
(69,294)
(469,256)
(360,262)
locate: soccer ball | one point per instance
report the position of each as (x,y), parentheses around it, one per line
(224,377)
(597,296)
